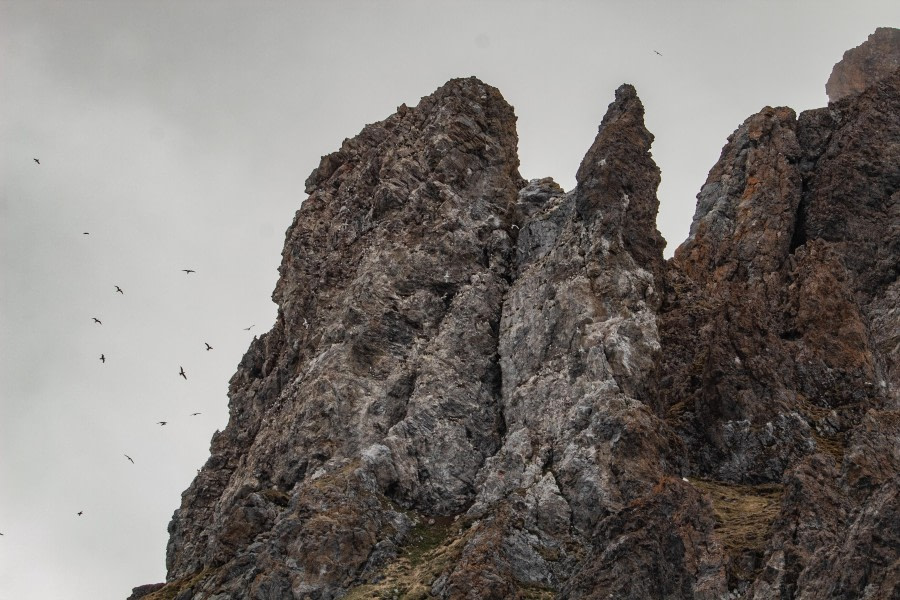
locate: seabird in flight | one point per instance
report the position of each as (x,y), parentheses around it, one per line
(194,414)
(161,422)
(129,458)
(189,271)
(657,53)
(182,373)
(96,320)
(80,512)
(36,160)
(118,289)
(102,359)
(208,347)
(249,328)
(86,233)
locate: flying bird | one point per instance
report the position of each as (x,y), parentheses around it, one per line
(102,359)
(96,320)
(87,233)
(182,373)
(36,160)
(80,512)
(657,53)
(189,270)
(208,347)
(129,458)
(194,414)
(249,328)
(160,423)
(118,289)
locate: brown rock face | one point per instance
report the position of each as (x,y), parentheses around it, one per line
(874,59)
(481,387)
(779,338)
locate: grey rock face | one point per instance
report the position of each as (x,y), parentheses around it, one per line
(381,375)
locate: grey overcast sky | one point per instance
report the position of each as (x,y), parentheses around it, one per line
(179,135)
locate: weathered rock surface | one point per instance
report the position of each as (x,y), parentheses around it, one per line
(481,387)
(876,58)
(779,338)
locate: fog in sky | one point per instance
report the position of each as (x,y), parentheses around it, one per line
(178,136)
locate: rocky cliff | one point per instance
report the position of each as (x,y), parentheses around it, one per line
(482,387)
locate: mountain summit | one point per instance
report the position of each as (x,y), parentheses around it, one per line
(484,387)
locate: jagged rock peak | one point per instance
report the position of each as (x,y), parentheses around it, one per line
(874,59)
(617,180)
(389,299)
(622,124)
(747,207)
(451,102)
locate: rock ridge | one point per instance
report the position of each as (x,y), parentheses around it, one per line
(479,386)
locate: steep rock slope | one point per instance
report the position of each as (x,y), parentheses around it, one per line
(481,387)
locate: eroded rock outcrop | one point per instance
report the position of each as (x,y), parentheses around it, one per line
(482,387)
(876,58)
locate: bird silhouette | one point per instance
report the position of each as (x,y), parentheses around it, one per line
(36,160)
(657,53)
(102,359)
(249,328)
(161,423)
(118,289)
(182,373)
(194,414)
(96,320)
(208,347)
(80,512)
(189,270)
(86,233)
(129,458)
